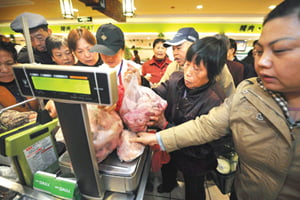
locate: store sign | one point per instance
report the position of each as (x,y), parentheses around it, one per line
(84,19)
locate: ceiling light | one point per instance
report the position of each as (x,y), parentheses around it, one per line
(199,6)
(128,8)
(271,7)
(67,9)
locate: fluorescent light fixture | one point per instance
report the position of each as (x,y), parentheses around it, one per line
(271,7)
(128,8)
(199,6)
(67,9)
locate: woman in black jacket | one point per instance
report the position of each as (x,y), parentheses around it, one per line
(191,93)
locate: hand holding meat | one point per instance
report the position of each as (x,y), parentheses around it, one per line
(128,151)
(157,119)
(145,138)
(139,104)
(132,71)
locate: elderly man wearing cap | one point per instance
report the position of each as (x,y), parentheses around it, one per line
(182,40)
(111,46)
(39,31)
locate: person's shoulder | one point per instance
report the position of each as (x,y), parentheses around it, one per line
(148,62)
(247,84)
(217,91)
(177,74)
(23,50)
(168,60)
(235,64)
(175,77)
(173,66)
(23,56)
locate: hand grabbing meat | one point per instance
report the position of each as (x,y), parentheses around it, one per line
(128,151)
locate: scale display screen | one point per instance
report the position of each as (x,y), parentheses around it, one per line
(71,84)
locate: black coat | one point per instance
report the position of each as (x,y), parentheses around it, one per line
(39,57)
(191,160)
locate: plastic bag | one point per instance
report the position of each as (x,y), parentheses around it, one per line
(158,158)
(106,128)
(138,104)
(128,151)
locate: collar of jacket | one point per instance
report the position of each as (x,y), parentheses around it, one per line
(194,91)
(97,64)
(164,61)
(267,106)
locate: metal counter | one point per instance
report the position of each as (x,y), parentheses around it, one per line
(21,190)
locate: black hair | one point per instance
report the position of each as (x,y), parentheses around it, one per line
(43,26)
(224,38)
(254,42)
(53,42)
(233,44)
(10,48)
(286,8)
(158,40)
(213,53)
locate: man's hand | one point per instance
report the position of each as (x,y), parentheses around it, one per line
(51,108)
(132,71)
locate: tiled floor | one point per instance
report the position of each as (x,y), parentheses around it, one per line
(212,191)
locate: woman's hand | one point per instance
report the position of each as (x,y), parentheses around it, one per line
(145,138)
(157,119)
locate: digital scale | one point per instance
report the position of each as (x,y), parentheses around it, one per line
(71,88)
(67,83)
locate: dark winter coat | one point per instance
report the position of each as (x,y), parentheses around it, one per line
(191,160)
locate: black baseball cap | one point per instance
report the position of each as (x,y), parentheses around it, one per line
(183,34)
(110,39)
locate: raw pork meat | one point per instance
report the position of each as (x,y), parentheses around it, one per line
(128,151)
(106,128)
(138,104)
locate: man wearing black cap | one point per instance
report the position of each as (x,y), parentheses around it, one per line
(38,28)
(182,40)
(111,46)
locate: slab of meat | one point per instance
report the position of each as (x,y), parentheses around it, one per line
(106,128)
(128,151)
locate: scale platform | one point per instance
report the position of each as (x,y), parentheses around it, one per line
(123,177)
